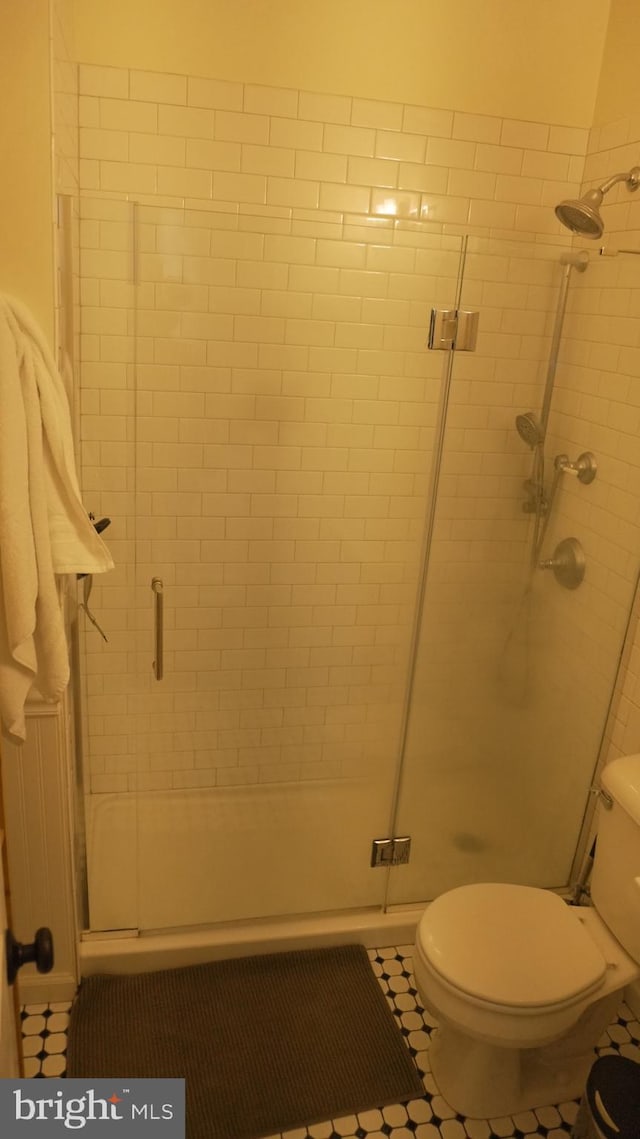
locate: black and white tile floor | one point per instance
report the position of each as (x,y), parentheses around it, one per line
(44,1029)
(44,1039)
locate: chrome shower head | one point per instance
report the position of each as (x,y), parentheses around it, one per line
(582,215)
(529,429)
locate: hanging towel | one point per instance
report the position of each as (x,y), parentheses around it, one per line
(44,528)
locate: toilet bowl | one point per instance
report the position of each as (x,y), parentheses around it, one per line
(522,986)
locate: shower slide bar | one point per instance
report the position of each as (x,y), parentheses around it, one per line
(157,585)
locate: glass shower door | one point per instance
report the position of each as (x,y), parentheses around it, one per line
(284,416)
(108,664)
(514,673)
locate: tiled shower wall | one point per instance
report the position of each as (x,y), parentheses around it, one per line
(196,139)
(576,635)
(280,476)
(601,406)
(288,249)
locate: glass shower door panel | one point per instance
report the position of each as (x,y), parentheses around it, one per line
(513,673)
(110,679)
(285,411)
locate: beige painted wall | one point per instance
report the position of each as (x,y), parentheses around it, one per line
(538,62)
(619,92)
(26,237)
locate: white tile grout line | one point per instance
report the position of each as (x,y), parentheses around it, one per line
(44,1040)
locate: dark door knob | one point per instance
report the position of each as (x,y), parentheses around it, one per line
(40,951)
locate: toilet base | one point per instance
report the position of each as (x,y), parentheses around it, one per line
(483,1081)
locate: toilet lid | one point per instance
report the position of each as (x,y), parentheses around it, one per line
(510,945)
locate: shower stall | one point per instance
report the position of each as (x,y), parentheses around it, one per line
(326,633)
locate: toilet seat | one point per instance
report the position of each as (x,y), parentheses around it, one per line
(515,947)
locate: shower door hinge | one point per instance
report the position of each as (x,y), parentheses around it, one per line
(390,851)
(453,328)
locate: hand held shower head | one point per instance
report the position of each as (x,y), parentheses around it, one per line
(529,429)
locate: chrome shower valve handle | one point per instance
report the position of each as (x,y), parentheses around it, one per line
(585,466)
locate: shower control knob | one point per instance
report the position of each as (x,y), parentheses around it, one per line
(39,951)
(585,466)
(568,563)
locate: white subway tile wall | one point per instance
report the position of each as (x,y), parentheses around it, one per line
(512,684)
(288,248)
(600,410)
(275,477)
(191,138)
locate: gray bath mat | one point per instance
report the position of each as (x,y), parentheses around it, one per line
(266,1044)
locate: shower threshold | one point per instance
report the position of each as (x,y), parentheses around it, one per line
(155,949)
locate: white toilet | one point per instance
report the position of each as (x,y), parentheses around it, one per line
(523,985)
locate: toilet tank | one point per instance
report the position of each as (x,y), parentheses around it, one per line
(615,881)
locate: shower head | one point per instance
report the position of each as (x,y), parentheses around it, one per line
(582,215)
(529,429)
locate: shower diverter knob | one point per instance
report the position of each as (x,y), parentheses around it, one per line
(568,563)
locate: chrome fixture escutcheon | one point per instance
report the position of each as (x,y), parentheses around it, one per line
(568,563)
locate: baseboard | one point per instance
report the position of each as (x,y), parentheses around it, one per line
(46,989)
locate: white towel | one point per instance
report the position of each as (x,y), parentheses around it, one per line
(44,528)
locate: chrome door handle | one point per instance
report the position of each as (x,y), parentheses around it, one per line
(157,586)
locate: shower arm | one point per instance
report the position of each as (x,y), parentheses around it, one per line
(631,177)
